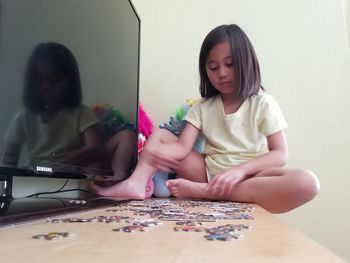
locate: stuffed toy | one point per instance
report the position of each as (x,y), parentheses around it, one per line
(145,126)
(144,122)
(176,123)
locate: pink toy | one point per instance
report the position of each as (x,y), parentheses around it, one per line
(145,123)
(141,142)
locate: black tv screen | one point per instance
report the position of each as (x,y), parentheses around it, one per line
(69,73)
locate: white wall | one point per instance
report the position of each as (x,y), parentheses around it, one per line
(305,65)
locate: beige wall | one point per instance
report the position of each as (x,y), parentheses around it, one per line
(305,65)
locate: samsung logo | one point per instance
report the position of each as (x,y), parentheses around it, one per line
(44,169)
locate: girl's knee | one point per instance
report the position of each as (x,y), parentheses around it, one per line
(308,184)
(160,136)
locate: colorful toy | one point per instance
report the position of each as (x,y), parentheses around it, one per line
(176,123)
(144,122)
(141,143)
(145,126)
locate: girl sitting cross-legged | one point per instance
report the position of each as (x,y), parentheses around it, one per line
(245,146)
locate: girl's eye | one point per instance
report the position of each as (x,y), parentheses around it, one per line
(213,68)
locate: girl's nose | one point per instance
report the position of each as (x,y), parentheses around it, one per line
(222,72)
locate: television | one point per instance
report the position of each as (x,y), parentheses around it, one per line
(69,77)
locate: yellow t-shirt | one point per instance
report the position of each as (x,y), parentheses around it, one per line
(231,139)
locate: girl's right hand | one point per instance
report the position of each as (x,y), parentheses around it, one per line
(160,161)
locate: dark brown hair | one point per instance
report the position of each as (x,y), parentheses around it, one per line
(246,65)
(64,61)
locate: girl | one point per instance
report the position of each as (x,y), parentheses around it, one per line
(245,146)
(54,125)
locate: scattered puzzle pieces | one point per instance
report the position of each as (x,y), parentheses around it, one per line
(53,235)
(152,212)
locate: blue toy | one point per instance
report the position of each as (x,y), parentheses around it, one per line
(159,180)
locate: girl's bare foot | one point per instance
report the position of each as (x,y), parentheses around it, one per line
(182,188)
(130,188)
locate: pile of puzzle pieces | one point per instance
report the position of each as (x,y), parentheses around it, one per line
(152,212)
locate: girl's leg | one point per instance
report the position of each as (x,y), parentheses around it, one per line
(134,187)
(191,178)
(277,190)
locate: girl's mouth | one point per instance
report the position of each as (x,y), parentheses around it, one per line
(225,83)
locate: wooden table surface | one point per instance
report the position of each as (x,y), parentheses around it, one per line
(269,240)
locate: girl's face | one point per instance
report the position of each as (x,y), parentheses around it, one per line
(219,68)
(52,85)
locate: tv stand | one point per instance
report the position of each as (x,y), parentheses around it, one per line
(7,181)
(18,210)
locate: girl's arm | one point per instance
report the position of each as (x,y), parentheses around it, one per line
(166,156)
(276,156)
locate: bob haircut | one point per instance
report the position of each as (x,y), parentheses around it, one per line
(64,61)
(247,78)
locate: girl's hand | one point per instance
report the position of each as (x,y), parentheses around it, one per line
(224,184)
(159,161)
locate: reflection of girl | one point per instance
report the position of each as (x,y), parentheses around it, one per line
(54,125)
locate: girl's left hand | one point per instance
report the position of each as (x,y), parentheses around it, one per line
(224,184)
